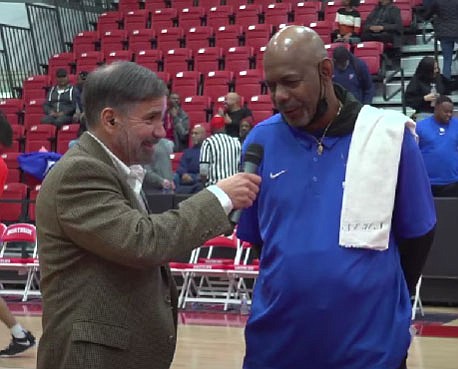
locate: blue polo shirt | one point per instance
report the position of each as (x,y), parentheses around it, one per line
(439,147)
(316,304)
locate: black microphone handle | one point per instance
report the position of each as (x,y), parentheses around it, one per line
(248,167)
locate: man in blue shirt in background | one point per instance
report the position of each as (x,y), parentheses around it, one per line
(317,304)
(187,175)
(353,74)
(438,136)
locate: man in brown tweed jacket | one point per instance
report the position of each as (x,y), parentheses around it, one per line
(109,301)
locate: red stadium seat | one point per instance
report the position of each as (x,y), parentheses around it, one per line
(258,35)
(238,58)
(169,38)
(306,12)
(248,14)
(113,56)
(177,60)
(208,59)
(108,21)
(59,61)
(228,36)
(150,59)
(186,83)
(136,19)
(84,42)
(14,207)
(66,134)
(324,29)
(217,83)
(14,171)
(199,37)
(18,138)
(197,108)
(89,61)
(127,5)
(162,18)
(261,107)
(12,109)
(141,39)
(33,111)
(113,40)
(277,13)
(34,87)
(39,137)
(191,17)
(249,83)
(218,16)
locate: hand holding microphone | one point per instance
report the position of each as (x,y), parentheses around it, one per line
(243,188)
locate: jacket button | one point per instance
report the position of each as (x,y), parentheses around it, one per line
(168,299)
(171,339)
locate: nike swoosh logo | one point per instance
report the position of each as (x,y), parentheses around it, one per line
(278,174)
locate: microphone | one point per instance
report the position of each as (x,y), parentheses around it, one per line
(253,157)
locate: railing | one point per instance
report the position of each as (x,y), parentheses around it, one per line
(390,76)
(26,51)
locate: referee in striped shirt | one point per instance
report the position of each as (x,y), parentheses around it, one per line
(219,155)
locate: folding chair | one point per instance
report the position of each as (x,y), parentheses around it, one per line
(207,279)
(417,305)
(19,253)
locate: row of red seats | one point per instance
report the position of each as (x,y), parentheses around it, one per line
(254,35)
(40,137)
(273,13)
(17,203)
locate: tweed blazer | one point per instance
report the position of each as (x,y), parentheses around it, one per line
(109,301)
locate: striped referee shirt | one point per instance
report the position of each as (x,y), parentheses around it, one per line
(219,157)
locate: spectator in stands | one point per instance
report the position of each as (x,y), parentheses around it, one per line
(384,24)
(22,339)
(424,88)
(347,23)
(79,96)
(234,113)
(446,30)
(245,128)
(353,74)
(328,255)
(187,175)
(220,153)
(109,300)
(158,173)
(438,140)
(176,123)
(61,102)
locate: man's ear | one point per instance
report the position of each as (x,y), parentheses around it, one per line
(326,69)
(108,119)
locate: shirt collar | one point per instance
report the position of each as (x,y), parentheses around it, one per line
(134,174)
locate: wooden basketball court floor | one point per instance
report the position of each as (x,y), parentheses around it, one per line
(215,340)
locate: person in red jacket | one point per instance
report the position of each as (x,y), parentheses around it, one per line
(22,339)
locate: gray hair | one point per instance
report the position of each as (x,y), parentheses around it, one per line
(119,85)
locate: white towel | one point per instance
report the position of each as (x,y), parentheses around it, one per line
(371,178)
